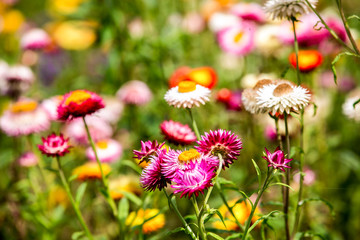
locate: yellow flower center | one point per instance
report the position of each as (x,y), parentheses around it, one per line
(282,90)
(238,37)
(78,96)
(186,86)
(27,106)
(188,155)
(102,144)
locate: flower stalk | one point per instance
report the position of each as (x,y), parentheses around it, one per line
(194,124)
(287,181)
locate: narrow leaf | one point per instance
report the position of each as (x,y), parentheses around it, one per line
(336,59)
(356,102)
(132,165)
(221,217)
(80,192)
(282,184)
(258,172)
(77,235)
(214,236)
(132,197)
(262,218)
(354,17)
(123,209)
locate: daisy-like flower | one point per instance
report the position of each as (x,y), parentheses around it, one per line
(35,39)
(187,95)
(156,222)
(287,9)
(249,96)
(134,92)
(237,39)
(54,145)
(79,103)
(308,60)
(177,133)
(28,159)
(176,162)
(222,142)
(108,150)
(24,117)
(282,97)
(124,183)
(195,179)
(152,177)
(91,170)
(348,107)
(277,159)
(148,149)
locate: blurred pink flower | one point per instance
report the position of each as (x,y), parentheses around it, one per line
(344,83)
(28,159)
(108,150)
(148,149)
(219,21)
(309,177)
(193,22)
(134,92)
(249,11)
(177,133)
(270,133)
(50,105)
(35,39)
(112,110)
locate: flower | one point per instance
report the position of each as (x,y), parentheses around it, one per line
(282,97)
(204,76)
(231,99)
(57,196)
(16,79)
(193,23)
(152,177)
(79,103)
(348,107)
(177,133)
(222,142)
(151,220)
(24,117)
(50,105)
(187,94)
(219,21)
(195,179)
(180,74)
(91,170)
(308,60)
(134,92)
(277,159)
(249,11)
(28,159)
(66,6)
(54,146)
(309,176)
(287,9)
(124,183)
(148,149)
(237,39)
(108,150)
(12,20)
(249,96)
(35,39)
(112,110)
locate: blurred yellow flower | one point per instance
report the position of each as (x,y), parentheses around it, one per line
(57,196)
(11,21)
(126,184)
(91,170)
(65,6)
(74,35)
(137,218)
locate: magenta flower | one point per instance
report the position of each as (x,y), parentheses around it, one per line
(195,179)
(177,133)
(148,149)
(54,146)
(35,39)
(221,142)
(277,159)
(151,177)
(28,159)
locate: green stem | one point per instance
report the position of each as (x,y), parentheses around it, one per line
(194,124)
(296,48)
(287,181)
(200,219)
(260,192)
(103,177)
(40,163)
(73,203)
(276,119)
(186,225)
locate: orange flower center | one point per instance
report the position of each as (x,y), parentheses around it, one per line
(78,96)
(186,86)
(238,37)
(282,90)
(27,106)
(188,155)
(102,144)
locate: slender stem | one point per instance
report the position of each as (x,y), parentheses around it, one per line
(296,48)
(187,227)
(194,124)
(260,192)
(346,25)
(73,203)
(103,177)
(276,119)
(215,179)
(40,163)
(196,207)
(332,32)
(287,181)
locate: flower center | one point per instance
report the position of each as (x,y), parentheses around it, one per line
(262,83)
(238,37)
(78,96)
(282,90)
(188,155)
(27,106)
(102,144)
(186,86)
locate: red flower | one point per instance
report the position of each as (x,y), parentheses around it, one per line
(308,60)
(54,146)
(204,76)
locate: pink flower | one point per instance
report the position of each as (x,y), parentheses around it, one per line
(28,159)
(195,179)
(107,150)
(148,149)
(15,80)
(193,23)
(177,133)
(134,92)
(277,159)
(79,103)
(237,39)
(151,177)
(35,39)
(309,177)
(50,105)
(249,11)
(270,133)
(54,146)
(221,142)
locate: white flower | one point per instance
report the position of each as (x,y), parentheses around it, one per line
(349,110)
(280,9)
(187,94)
(249,96)
(282,97)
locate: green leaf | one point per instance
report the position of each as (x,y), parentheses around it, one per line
(282,184)
(220,216)
(356,102)
(336,59)
(132,197)
(80,192)
(72,177)
(234,236)
(132,165)
(308,234)
(262,218)
(123,210)
(176,230)
(258,172)
(51,169)
(77,235)
(354,17)
(214,236)
(328,204)
(315,108)
(246,196)
(223,181)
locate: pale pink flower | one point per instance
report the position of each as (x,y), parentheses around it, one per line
(249,11)
(35,39)
(28,159)
(134,92)
(108,150)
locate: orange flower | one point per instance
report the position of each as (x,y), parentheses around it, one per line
(138,218)
(223,95)
(91,170)
(308,60)
(125,184)
(204,76)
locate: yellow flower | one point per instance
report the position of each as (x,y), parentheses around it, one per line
(91,170)
(126,184)
(11,21)
(74,35)
(65,6)
(137,218)
(57,196)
